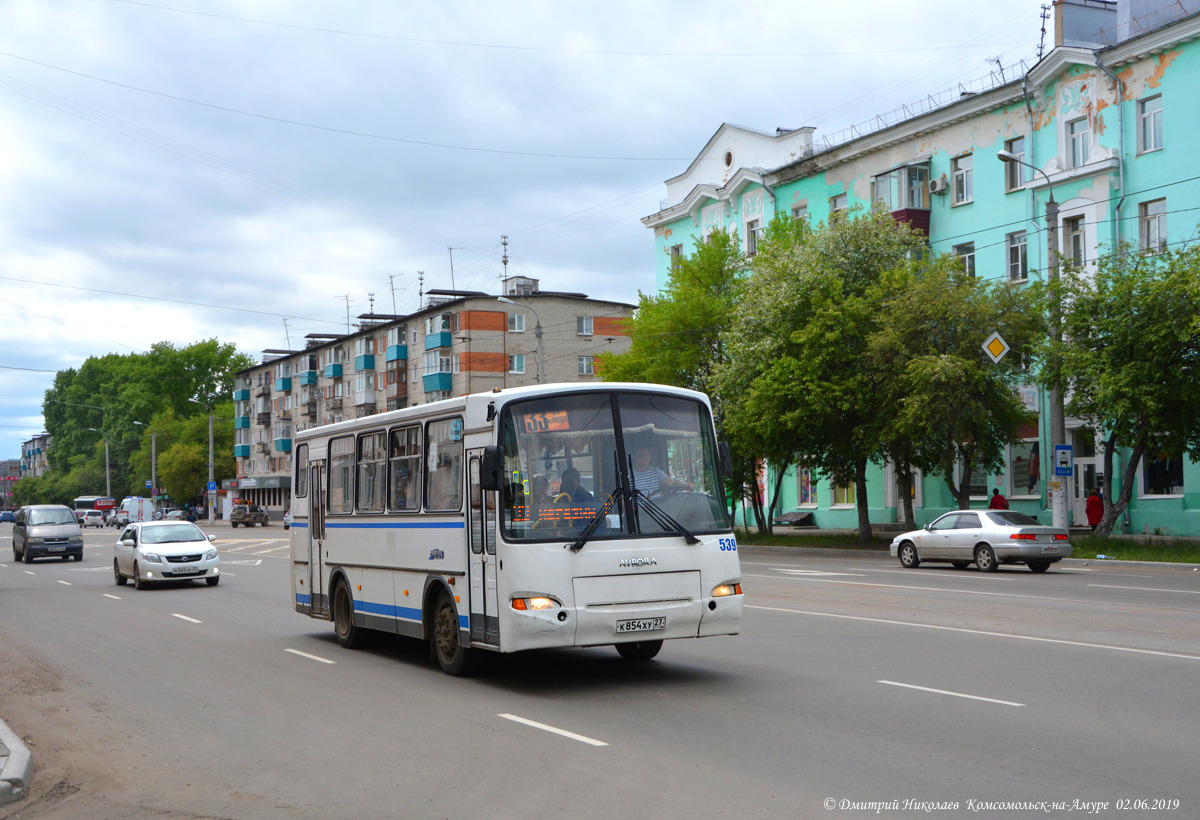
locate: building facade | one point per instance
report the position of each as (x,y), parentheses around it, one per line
(460,342)
(10,474)
(1104,117)
(33,456)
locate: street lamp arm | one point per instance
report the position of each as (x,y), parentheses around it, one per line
(1009,156)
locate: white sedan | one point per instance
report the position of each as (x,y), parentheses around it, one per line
(153,551)
(92,518)
(985,538)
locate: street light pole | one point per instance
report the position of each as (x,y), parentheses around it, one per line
(153,462)
(537,331)
(1058,422)
(107,473)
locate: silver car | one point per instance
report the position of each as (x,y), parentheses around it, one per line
(46,531)
(154,551)
(986,538)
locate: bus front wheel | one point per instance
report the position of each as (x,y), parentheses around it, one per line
(348,635)
(639,650)
(454,658)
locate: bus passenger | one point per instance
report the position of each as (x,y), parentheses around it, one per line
(575,493)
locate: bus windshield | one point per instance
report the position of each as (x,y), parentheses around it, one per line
(643,454)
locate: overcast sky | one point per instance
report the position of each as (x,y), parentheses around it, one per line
(183,169)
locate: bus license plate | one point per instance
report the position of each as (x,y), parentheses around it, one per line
(641,625)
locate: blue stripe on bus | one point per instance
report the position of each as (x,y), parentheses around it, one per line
(300,526)
(387,525)
(406,613)
(303,599)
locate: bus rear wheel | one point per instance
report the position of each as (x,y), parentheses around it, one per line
(454,658)
(639,650)
(348,635)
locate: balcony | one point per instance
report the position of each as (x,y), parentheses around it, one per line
(309,409)
(241,395)
(263,419)
(363,410)
(437,381)
(241,451)
(333,370)
(397,390)
(364,362)
(396,353)
(263,391)
(334,403)
(263,447)
(241,422)
(283,445)
(283,385)
(308,377)
(436,340)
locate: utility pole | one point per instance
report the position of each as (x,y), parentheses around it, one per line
(212,494)
(392,285)
(451,252)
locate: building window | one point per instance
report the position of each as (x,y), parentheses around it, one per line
(1162,475)
(1018,261)
(583,325)
(438,361)
(586,366)
(1080,135)
(516,363)
(966,253)
(1073,228)
(752,237)
(837,203)
(962,170)
(805,491)
(516,323)
(676,256)
(1150,136)
(1016,175)
(902,188)
(1152,225)
(800,212)
(843,496)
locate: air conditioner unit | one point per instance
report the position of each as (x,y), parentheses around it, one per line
(939,185)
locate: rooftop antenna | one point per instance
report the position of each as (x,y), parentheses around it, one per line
(420,289)
(999,65)
(451,252)
(392,285)
(286,334)
(347,298)
(371,301)
(504,258)
(1042,42)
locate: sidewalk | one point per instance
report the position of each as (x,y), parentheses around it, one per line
(16,766)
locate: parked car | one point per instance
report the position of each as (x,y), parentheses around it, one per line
(287,520)
(986,538)
(46,531)
(110,517)
(92,518)
(175,515)
(248,515)
(155,551)
(7,515)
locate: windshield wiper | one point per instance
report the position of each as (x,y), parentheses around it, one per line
(660,517)
(601,514)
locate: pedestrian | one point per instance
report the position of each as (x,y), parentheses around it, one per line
(1094,509)
(998,501)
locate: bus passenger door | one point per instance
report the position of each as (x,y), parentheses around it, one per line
(316,538)
(481,528)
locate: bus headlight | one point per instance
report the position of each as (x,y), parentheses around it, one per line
(725,590)
(526,604)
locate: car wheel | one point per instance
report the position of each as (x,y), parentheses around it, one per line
(639,650)
(348,635)
(78,557)
(138,583)
(1038,566)
(909,559)
(233,524)
(213,580)
(985,559)
(117,576)
(960,564)
(26,557)
(454,658)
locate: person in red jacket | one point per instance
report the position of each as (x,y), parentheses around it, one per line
(998,501)
(1094,509)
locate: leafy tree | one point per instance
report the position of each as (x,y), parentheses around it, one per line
(951,405)
(800,341)
(1129,359)
(675,338)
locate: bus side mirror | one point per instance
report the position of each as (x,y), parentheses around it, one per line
(491,468)
(724,460)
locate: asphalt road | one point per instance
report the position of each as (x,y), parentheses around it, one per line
(853,681)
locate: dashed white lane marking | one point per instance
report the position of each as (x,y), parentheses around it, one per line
(1147,589)
(27,572)
(1059,641)
(951,694)
(310,657)
(581,738)
(114,597)
(185,618)
(812,573)
(65,583)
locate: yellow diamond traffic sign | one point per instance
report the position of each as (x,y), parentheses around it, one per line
(995,347)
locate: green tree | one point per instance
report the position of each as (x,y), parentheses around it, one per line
(800,340)
(951,406)
(1129,359)
(675,336)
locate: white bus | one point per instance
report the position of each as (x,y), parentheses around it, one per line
(512,520)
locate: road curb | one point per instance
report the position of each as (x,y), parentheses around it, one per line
(883,552)
(16,766)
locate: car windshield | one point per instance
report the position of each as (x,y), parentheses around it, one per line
(1015,519)
(566,456)
(173,532)
(60,515)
